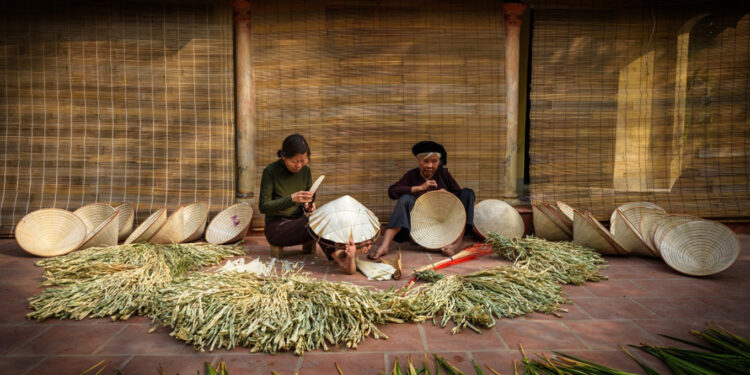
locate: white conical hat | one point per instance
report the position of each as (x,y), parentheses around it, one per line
(437,219)
(342,218)
(700,248)
(496,216)
(545,228)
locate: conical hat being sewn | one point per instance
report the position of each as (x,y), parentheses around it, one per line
(342,218)
(437,219)
(496,216)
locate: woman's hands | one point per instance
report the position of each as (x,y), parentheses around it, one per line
(427,185)
(302,197)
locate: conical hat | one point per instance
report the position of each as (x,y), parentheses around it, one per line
(437,219)
(567,210)
(700,248)
(545,228)
(148,227)
(50,232)
(627,206)
(649,222)
(105,234)
(125,220)
(586,232)
(230,225)
(195,217)
(342,218)
(173,231)
(558,216)
(666,224)
(496,216)
(628,237)
(94,214)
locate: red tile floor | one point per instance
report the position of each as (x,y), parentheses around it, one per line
(642,298)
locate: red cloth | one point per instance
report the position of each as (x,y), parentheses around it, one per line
(414,178)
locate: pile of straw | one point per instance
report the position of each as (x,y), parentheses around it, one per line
(565,262)
(117,281)
(287,311)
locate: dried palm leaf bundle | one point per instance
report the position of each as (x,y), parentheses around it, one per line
(117,281)
(565,262)
(287,311)
(473,300)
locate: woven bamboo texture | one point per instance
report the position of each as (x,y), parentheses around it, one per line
(632,103)
(115,102)
(364,81)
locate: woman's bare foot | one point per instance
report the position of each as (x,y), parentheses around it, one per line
(345,258)
(455,247)
(378,252)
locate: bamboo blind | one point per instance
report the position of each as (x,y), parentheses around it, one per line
(364,81)
(115,101)
(646,104)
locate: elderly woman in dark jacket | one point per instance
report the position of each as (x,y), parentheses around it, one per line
(430,175)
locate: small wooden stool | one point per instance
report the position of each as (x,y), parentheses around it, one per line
(307,248)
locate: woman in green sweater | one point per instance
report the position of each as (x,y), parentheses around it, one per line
(285,197)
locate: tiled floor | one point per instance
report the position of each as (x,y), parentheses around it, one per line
(642,298)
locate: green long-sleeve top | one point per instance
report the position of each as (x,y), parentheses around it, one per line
(276,189)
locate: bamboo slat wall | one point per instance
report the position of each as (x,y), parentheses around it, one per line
(364,81)
(641,105)
(115,101)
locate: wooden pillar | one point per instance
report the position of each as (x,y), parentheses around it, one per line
(512,14)
(245,102)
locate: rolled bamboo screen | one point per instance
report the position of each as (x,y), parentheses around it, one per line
(115,101)
(364,81)
(641,104)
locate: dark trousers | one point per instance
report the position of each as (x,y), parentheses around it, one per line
(401,217)
(291,231)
